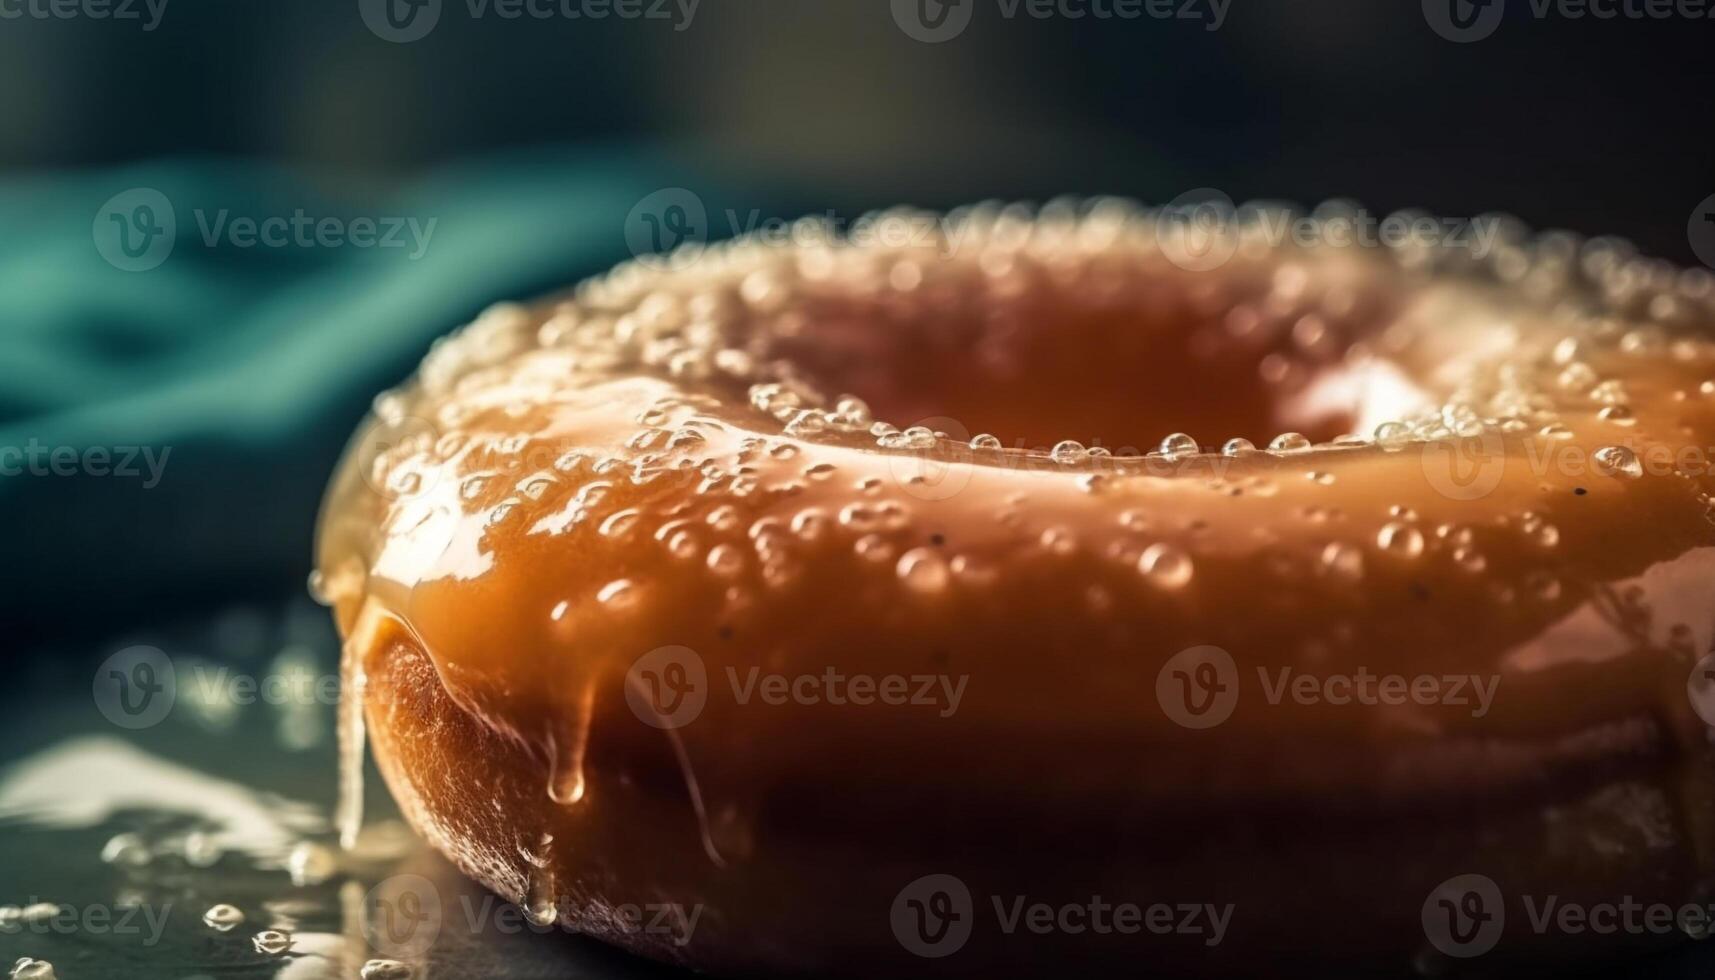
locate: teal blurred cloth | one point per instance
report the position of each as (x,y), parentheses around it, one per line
(245,369)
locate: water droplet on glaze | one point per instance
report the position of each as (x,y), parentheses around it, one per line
(1392,436)
(1068,452)
(619,523)
(809,523)
(1289,442)
(1178,445)
(1236,447)
(1576,376)
(1540,531)
(1165,565)
(725,560)
(873,547)
(617,594)
(1058,541)
(539,902)
(1400,539)
(1469,559)
(1618,461)
(923,571)
(985,442)
(1343,561)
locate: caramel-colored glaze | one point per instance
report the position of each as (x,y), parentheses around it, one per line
(664,461)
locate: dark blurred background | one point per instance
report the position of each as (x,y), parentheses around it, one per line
(776,105)
(1588,123)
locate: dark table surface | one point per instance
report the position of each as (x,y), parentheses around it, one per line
(123,838)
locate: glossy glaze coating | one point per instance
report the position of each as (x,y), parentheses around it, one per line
(955,461)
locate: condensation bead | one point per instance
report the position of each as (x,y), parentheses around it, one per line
(1178,444)
(1343,561)
(1400,539)
(1069,452)
(1617,461)
(1393,436)
(1166,566)
(923,571)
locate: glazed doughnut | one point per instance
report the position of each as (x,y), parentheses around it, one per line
(762,583)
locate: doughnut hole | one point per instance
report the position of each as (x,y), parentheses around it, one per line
(1118,372)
